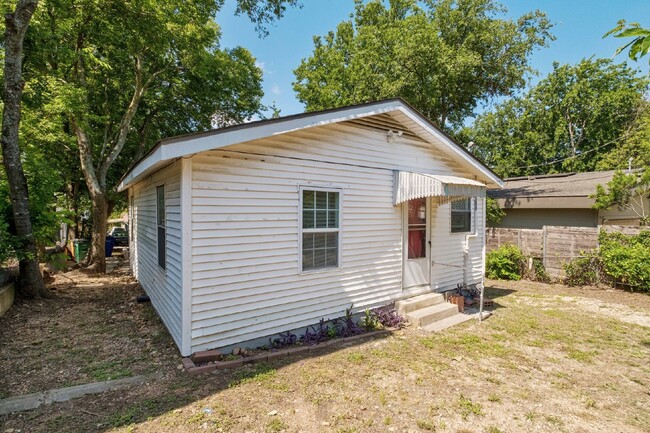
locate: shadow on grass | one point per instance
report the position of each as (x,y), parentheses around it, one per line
(494,293)
(169,395)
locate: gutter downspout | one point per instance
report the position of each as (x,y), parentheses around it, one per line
(466,261)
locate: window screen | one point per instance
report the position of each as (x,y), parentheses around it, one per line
(461,216)
(320,229)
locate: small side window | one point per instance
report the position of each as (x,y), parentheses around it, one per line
(160,217)
(461,216)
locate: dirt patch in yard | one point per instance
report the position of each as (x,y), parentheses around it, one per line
(91,330)
(541,363)
(636,300)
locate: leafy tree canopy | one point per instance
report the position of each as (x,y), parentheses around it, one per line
(567,122)
(105,79)
(626,191)
(442,56)
(640,43)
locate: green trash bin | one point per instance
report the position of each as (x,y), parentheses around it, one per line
(80,249)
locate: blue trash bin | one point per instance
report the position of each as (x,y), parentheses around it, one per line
(110,243)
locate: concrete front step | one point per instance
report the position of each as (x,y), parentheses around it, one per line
(449,322)
(408,305)
(428,315)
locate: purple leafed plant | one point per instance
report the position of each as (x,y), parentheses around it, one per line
(284,340)
(316,334)
(388,317)
(349,326)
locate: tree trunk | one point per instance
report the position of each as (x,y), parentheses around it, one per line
(97,191)
(97,257)
(31,282)
(95,176)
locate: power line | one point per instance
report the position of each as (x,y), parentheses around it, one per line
(555,161)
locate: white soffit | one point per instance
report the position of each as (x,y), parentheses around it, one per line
(170,149)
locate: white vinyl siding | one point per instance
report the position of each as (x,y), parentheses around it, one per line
(246,279)
(162,285)
(447,249)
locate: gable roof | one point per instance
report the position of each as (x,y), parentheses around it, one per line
(172,148)
(563,190)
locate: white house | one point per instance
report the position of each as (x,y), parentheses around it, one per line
(247,231)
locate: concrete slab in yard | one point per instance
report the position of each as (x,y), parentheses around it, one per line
(33,401)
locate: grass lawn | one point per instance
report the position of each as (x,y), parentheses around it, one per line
(550,359)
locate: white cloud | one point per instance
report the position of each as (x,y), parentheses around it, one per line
(275,89)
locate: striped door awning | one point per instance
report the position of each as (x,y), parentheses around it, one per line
(409,186)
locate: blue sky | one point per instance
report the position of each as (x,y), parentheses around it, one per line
(579,26)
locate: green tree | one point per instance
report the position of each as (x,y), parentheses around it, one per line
(567,122)
(634,149)
(16,24)
(640,43)
(442,56)
(626,192)
(493,213)
(122,74)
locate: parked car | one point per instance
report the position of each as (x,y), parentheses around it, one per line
(121,236)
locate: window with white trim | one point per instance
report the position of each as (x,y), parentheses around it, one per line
(160,219)
(461,216)
(320,219)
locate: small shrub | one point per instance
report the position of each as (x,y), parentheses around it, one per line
(627,258)
(58,261)
(388,317)
(370,321)
(348,326)
(584,271)
(505,263)
(538,273)
(622,258)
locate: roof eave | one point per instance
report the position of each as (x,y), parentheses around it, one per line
(170,149)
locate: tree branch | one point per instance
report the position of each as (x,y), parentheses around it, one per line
(125,123)
(86,158)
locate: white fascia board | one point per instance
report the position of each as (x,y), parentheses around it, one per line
(227,138)
(193,145)
(453,146)
(141,169)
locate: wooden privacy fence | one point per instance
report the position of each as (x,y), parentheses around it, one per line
(554,245)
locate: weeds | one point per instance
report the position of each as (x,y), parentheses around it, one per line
(425,425)
(468,407)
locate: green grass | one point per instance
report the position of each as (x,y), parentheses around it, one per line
(356,357)
(582,356)
(262,374)
(107,370)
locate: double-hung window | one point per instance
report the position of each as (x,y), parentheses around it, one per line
(320,219)
(160,219)
(461,216)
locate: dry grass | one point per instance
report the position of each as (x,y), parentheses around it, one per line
(541,363)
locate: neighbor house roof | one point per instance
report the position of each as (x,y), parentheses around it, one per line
(563,190)
(173,148)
